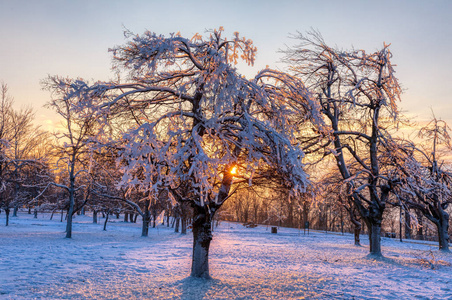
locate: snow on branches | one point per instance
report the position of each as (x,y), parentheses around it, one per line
(190,116)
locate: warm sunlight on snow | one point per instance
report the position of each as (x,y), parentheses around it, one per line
(247,263)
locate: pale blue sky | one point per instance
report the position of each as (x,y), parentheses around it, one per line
(71,38)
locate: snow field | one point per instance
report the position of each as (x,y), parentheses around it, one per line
(37,262)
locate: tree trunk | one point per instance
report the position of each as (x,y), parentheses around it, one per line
(176,228)
(356,223)
(69,222)
(375,240)
(95,216)
(106,220)
(145,226)
(290,212)
(126,217)
(443,234)
(69,214)
(420,232)
(407,225)
(183,225)
(146,217)
(35,214)
(7,216)
(357,232)
(202,235)
(183,217)
(71,199)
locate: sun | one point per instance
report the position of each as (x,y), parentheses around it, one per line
(233,170)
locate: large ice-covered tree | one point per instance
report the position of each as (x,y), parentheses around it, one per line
(195,123)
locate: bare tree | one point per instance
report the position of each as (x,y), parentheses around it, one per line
(73,142)
(427,181)
(23,168)
(357,92)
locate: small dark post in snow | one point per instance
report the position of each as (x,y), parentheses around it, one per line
(400,224)
(274,229)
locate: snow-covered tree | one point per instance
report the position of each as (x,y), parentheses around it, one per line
(427,180)
(358,94)
(72,150)
(23,168)
(196,123)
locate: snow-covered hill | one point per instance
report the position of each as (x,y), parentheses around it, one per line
(36,262)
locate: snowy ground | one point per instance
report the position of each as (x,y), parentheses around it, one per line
(37,262)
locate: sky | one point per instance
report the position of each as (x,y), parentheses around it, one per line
(72,38)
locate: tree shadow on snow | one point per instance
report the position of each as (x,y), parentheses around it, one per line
(379,258)
(199,288)
(410,262)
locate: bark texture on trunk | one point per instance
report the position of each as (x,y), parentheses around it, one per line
(70,212)
(202,235)
(106,221)
(375,240)
(443,234)
(7,216)
(420,230)
(154,217)
(356,224)
(183,229)
(357,232)
(176,228)
(145,227)
(69,222)
(407,225)
(146,218)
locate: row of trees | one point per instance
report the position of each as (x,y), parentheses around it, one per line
(185,127)
(24,149)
